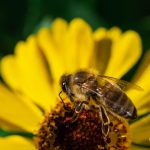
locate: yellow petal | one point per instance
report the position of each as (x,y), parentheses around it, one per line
(79,45)
(16,143)
(141,131)
(58,32)
(142,99)
(125,53)
(100,34)
(145,64)
(114,34)
(104,41)
(6,125)
(54,58)
(18,111)
(34,74)
(9,71)
(57,36)
(102,50)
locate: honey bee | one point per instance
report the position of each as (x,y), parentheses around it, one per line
(106,92)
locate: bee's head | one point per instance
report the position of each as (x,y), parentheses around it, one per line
(64,82)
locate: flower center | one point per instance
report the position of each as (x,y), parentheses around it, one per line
(59,132)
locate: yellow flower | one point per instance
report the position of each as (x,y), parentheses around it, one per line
(31,76)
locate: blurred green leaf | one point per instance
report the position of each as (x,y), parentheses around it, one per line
(33,15)
(4,133)
(87,11)
(18,18)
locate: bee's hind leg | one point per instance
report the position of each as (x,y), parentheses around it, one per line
(105,121)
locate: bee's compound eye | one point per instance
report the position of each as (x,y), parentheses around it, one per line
(64,86)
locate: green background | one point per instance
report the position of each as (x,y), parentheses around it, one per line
(19,18)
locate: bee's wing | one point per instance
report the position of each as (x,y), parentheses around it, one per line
(123,85)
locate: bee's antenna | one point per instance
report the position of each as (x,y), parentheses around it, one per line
(61,97)
(65,106)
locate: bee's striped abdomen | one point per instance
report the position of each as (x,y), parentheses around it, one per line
(118,101)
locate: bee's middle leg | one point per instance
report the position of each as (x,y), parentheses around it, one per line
(78,108)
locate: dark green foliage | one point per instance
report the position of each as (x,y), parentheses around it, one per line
(20,18)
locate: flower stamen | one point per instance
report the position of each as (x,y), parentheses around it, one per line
(59,133)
